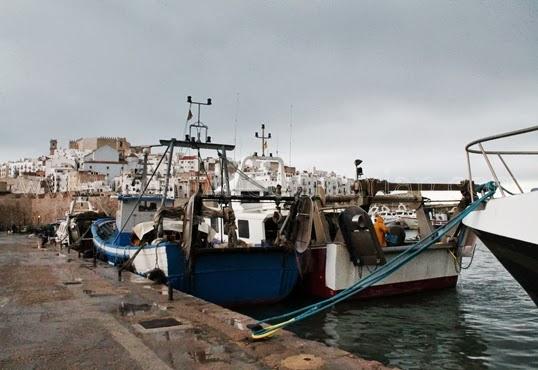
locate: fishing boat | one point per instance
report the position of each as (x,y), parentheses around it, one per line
(344,248)
(206,265)
(74,231)
(507,224)
(201,254)
(115,239)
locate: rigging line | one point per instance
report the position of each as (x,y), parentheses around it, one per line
(206,173)
(182,150)
(471,261)
(141,195)
(251,180)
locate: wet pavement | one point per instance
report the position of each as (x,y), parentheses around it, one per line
(59,311)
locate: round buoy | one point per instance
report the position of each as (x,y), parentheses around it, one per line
(303,361)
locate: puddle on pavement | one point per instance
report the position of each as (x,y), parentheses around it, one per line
(159,323)
(131,309)
(73,282)
(3,301)
(211,354)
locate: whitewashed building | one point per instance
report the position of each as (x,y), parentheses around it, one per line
(106,161)
(22,166)
(58,179)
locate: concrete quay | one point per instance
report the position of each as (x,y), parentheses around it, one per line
(60,312)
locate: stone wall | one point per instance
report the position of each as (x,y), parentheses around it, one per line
(14,210)
(22,210)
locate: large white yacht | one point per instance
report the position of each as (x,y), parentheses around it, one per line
(507,224)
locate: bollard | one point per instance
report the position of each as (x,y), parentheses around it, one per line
(170,291)
(119,274)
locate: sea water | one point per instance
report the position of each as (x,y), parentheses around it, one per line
(486,322)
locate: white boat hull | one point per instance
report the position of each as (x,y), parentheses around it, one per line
(434,268)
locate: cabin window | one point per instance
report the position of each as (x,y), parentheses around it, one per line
(147,206)
(271,229)
(215,223)
(242,226)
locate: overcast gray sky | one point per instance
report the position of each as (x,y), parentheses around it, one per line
(403,85)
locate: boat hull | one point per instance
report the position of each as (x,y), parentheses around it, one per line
(520,258)
(239,276)
(508,229)
(229,277)
(332,272)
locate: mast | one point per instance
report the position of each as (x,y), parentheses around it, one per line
(168,171)
(263,138)
(235,121)
(145,168)
(198,126)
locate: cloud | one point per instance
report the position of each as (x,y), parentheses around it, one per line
(403,85)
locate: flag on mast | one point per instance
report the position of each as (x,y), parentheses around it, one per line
(189,116)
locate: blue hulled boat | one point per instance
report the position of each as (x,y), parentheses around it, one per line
(195,248)
(226,276)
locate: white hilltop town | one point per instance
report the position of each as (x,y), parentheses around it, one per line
(105,165)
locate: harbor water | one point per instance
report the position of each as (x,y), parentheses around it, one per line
(486,322)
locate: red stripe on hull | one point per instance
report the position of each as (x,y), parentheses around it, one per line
(314,283)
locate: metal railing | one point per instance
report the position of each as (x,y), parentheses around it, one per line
(499,153)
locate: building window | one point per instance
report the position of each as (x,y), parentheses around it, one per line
(242,226)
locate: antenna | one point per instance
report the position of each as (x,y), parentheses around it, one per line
(235,122)
(263,139)
(198,126)
(291,124)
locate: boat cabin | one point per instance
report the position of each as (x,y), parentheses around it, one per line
(141,212)
(256,228)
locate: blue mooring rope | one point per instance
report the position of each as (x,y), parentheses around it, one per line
(260,332)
